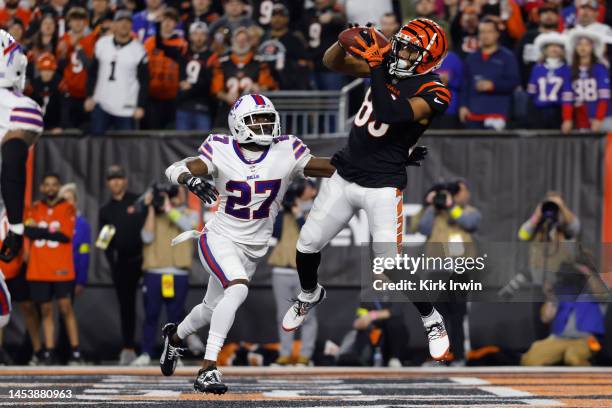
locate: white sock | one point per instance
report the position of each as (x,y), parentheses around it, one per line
(196,319)
(201,314)
(310,296)
(434,317)
(223,318)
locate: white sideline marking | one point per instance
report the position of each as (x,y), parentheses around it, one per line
(543,402)
(160,393)
(505,391)
(469,381)
(101,391)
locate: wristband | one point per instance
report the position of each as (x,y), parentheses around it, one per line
(175,170)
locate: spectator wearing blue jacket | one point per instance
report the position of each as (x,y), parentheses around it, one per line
(81,242)
(490,76)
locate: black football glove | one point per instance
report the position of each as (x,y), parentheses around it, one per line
(11,246)
(417,155)
(204,190)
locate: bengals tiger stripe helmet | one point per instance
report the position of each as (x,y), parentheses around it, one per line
(421,37)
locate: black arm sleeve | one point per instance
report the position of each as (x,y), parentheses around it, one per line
(386,109)
(143,80)
(43,233)
(92,76)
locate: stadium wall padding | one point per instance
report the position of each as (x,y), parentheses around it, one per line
(508,175)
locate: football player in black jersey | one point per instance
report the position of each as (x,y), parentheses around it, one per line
(371,169)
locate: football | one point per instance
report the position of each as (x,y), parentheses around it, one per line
(347,38)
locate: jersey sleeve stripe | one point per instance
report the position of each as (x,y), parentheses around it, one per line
(426,85)
(28,110)
(205,154)
(29,121)
(300,152)
(208,148)
(296,143)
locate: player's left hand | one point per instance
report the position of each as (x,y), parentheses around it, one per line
(372,54)
(11,246)
(417,155)
(204,190)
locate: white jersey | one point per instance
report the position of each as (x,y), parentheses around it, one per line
(251,191)
(17,111)
(117,83)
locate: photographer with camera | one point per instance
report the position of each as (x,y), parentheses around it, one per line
(551,221)
(166,267)
(551,231)
(575,315)
(449,221)
(285,282)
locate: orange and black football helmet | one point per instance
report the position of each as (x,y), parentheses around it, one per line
(426,42)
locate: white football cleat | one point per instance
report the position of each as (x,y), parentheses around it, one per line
(296,314)
(437,336)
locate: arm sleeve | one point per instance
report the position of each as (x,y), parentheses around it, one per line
(92,76)
(603,93)
(143,80)
(386,108)
(426,222)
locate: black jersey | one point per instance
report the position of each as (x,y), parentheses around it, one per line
(377,153)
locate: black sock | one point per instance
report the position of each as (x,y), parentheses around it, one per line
(307,267)
(13,178)
(424,308)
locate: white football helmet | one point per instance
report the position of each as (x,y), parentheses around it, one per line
(13,63)
(253,119)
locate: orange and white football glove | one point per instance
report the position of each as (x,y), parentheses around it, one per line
(372,54)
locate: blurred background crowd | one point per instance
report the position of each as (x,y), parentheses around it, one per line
(181,64)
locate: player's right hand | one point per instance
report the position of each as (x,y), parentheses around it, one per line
(204,190)
(11,246)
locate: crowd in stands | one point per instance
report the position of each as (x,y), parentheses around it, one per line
(182,64)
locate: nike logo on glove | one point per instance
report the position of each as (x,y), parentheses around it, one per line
(438,101)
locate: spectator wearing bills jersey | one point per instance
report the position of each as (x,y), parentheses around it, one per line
(144,22)
(590,79)
(550,85)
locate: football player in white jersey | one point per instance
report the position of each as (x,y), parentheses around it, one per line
(21,123)
(251,169)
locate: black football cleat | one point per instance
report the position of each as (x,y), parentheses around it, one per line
(170,354)
(209,381)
